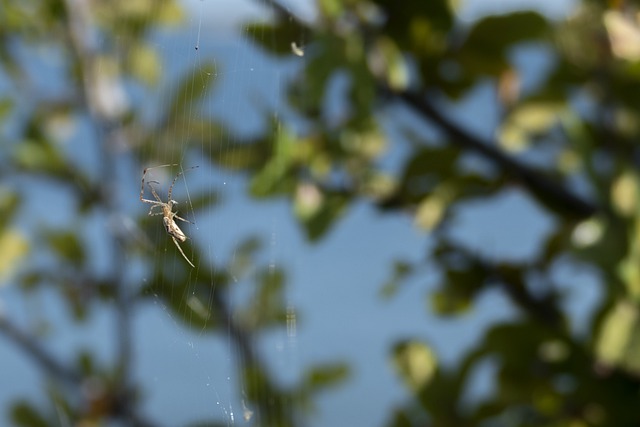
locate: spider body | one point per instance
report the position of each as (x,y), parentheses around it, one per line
(172,228)
(166,209)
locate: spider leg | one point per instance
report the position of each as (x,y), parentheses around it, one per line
(182,219)
(144,173)
(176,178)
(180,249)
(153,190)
(151,212)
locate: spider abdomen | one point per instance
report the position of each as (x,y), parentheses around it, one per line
(173,229)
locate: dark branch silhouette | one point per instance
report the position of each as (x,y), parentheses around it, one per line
(537,183)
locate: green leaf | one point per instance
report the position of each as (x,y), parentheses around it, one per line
(494,34)
(195,85)
(267,304)
(320,377)
(318,214)
(411,24)
(278,39)
(464,277)
(25,415)
(246,155)
(67,246)
(202,201)
(274,177)
(6,106)
(9,203)
(401,270)
(426,169)
(41,156)
(484,51)
(168,12)
(244,257)
(308,93)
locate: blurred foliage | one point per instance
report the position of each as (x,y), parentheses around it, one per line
(568,141)
(578,116)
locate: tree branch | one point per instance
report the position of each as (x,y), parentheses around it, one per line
(29,345)
(545,189)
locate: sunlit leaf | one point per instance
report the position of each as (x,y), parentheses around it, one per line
(415,362)
(618,343)
(588,232)
(624,193)
(527,121)
(331,8)
(145,63)
(168,12)
(430,211)
(387,62)
(13,248)
(331,207)
(624,34)
(198,308)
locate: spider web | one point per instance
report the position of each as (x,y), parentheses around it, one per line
(205,365)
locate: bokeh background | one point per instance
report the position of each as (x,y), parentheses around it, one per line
(403,213)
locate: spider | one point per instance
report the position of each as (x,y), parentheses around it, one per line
(166,208)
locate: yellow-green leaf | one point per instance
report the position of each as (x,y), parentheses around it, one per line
(619,341)
(13,247)
(432,208)
(624,193)
(624,34)
(415,362)
(145,63)
(526,121)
